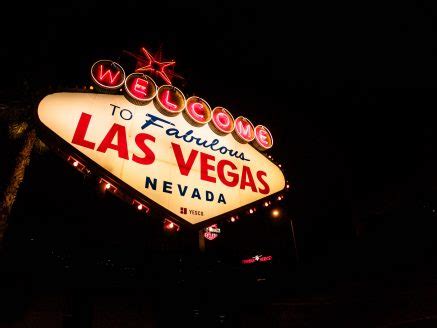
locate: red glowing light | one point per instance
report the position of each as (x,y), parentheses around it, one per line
(244,129)
(111,79)
(140,206)
(211,232)
(108,186)
(193,109)
(171,99)
(148,63)
(107,74)
(78,165)
(210,235)
(198,110)
(140,87)
(263,137)
(222,120)
(169,225)
(257,258)
(166,102)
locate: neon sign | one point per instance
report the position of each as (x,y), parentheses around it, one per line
(257,258)
(150,64)
(198,110)
(263,137)
(244,129)
(170,99)
(140,87)
(160,151)
(222,120)
(108,74)
(211,232)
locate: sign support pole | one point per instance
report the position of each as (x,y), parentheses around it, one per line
(294,240)
(201,241)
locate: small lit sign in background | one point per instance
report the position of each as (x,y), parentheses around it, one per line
(257,259)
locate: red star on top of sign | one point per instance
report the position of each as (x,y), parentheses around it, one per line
(147,63)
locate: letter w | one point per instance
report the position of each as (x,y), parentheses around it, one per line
(108,72)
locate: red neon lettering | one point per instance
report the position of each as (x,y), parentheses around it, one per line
(166,102)
(107,73)
(248,261)
(210,235)
(140,86)
(198,110)
(184,167)
(81,129)
(221,173)
(121,145)
(247,179)
(193,110)
(260,175)
(149,156)
(262,137)
(205,167)
(223,120)
(244,129)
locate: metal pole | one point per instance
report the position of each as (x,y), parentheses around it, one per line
(294,240)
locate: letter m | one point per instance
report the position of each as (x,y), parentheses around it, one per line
(243,130)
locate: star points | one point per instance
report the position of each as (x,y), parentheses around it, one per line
(154,66)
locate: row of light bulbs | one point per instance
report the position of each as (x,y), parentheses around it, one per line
(168,224)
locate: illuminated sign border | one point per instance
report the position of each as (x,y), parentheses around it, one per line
(127,193)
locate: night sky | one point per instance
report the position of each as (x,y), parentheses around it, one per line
(347,89)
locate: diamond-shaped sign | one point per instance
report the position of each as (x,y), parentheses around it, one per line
(189,169)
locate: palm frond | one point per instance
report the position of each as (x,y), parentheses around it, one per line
(40,147)
(17,129)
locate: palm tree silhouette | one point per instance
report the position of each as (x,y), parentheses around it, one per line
(17,110)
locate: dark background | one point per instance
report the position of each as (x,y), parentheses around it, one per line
(347,89)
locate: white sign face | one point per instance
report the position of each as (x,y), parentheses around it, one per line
(191,171)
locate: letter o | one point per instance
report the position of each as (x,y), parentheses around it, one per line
(126,110)
(222,120)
